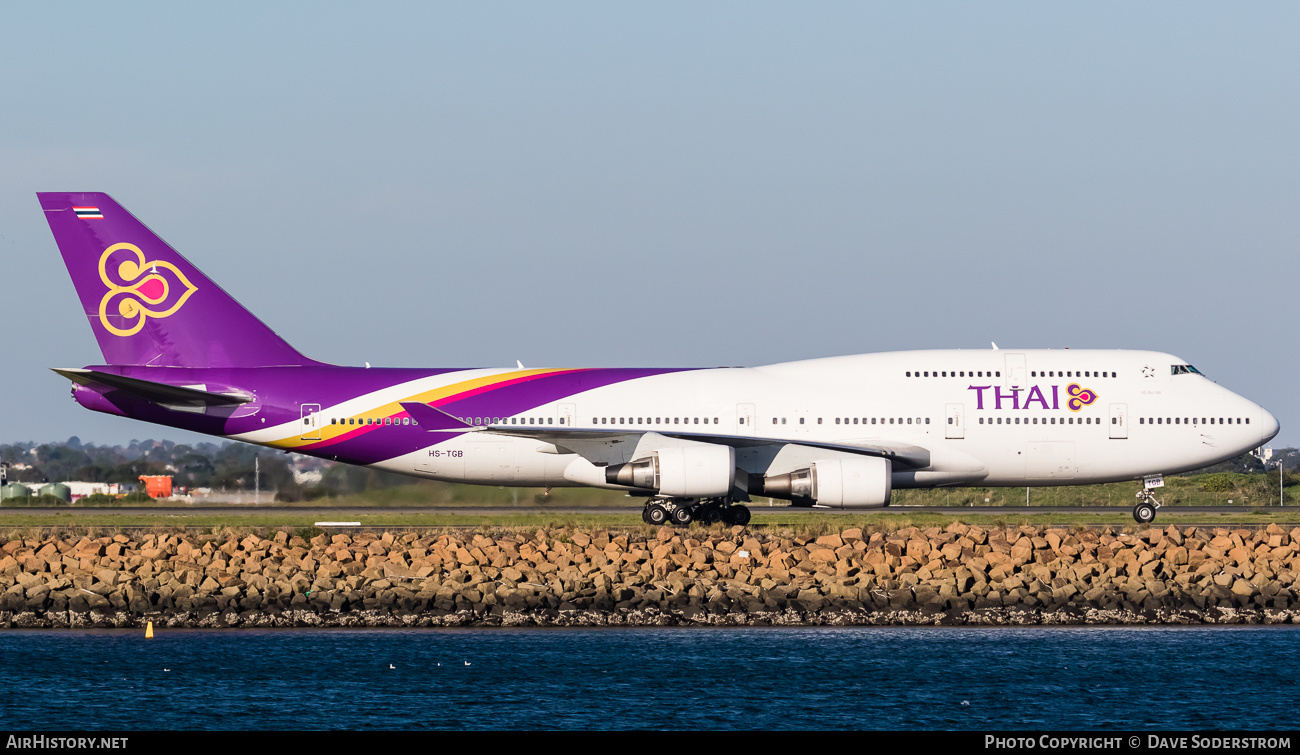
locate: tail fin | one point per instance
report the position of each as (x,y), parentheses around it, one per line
(146,303)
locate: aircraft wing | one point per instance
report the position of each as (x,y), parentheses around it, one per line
(159,393)
(595,444)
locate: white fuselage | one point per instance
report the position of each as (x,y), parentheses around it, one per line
(989,418)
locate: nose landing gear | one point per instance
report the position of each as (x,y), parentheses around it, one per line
(1145,510)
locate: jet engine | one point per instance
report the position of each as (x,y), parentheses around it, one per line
(858,483)
(696,471)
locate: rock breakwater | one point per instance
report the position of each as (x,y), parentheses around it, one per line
(565,577)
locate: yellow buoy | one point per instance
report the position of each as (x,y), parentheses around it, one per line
(148,631)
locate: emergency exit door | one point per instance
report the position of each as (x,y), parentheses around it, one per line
(310,422)
(955,427)
(1119,421)
(745,419)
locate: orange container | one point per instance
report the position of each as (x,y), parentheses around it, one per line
(157,486)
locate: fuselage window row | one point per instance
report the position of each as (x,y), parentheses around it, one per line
(997,373)
(1191,421)
(373,421)
(652,420)
(1046,421)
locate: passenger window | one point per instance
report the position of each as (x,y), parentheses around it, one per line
(819,420)
(801,419)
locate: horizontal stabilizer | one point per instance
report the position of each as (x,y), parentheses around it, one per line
(432,418)
(160,393)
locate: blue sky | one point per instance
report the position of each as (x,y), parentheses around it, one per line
(599,184)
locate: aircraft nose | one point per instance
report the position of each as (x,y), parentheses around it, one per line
(1268,426)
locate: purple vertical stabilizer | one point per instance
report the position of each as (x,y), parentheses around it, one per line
(146,303)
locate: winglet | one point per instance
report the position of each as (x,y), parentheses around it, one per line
(432,418)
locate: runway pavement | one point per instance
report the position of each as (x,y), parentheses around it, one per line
(343,512)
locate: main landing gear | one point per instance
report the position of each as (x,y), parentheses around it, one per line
(1145,511)
(682,511)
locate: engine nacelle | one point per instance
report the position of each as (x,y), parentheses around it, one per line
(859,483)
(697,471)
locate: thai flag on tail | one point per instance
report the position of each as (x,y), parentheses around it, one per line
(88,213)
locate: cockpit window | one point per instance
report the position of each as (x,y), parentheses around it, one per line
(1185,369)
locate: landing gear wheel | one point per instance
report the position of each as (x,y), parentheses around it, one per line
(1144,513)
(645,515)
(709,515)
(682,516)
(655,515)
(737,515)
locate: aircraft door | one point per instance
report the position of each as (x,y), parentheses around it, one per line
(1017,377)
(1119,421)
(956,425)
(745,419)
(310,422)
(568,413)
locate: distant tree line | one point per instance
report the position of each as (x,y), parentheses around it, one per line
(226,465)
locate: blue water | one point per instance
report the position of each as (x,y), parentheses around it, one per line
(815,678)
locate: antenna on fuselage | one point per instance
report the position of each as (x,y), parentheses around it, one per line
(995,345)
(520,365)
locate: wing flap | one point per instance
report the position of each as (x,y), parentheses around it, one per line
(579,440)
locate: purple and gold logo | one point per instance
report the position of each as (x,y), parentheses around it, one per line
(138,290)
(1079,397)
